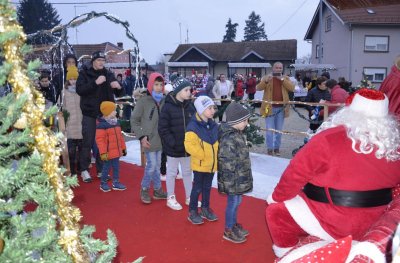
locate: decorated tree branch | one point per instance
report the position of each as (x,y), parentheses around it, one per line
(37,220)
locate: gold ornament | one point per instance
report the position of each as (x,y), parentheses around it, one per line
(44,141)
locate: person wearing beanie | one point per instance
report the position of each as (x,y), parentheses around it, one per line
(234,168)
(144,122)
(174,118)
(73,124)
(341,185)
(61,76)
(201,142)
(95,84)
(111,145)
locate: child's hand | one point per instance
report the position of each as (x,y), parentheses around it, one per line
(124,152)
(104,157)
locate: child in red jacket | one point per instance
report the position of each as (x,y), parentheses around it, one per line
(111,145)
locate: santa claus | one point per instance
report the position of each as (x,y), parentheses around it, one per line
(340,185)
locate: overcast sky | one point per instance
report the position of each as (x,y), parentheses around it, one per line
(155,24)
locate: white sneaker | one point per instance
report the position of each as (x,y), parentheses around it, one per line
(86,176)
(163,177)
(173,204)
(187,202)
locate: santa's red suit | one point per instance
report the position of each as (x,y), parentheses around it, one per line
(391,87)
(329,170)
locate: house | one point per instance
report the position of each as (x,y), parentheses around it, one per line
(233,57)
(360,38)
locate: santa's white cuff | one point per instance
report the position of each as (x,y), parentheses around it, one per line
(280,251)
(270,200)
(367,249)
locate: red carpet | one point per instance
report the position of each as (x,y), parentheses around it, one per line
(163,235)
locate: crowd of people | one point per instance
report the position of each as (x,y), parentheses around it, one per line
(181,124)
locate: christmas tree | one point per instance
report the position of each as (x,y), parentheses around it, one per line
(37,220)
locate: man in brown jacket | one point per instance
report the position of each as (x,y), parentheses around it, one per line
(276,87)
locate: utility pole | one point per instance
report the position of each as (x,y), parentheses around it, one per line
(76,28)
(187,35)
(180,33)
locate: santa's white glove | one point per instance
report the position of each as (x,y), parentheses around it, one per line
(367,249)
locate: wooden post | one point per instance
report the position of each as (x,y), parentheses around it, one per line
(142,156)
(326,112)
(64,153)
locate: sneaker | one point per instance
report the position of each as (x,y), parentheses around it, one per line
(238,228)
(270,152)
(233,236)
(105,188)
(144,196)
(178,175)
(195,218)
(118,186)
(276,152)
(208,214)
(159,194)
(173,204)
(86,176)
(163,177)
(187,202)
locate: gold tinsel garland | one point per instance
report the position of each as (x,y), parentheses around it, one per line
(45,142)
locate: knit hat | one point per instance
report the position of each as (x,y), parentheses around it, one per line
(236,113)
(106,107)
(72,72)
(372,103)
(173,77)
(98,54)
(202,103)
(180,84)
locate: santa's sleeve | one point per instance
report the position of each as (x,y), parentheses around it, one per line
(312,160)
(376,242)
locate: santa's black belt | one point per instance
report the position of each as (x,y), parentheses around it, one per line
(370,198)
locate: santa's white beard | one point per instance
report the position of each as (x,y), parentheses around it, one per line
(368,133)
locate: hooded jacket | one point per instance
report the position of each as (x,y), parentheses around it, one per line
(145,117)
(109,139)
(174,118)
(201,141)
(234,167)
(92,95)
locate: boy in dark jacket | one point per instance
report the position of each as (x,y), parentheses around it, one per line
(234,168)
(175,116)
(111,145)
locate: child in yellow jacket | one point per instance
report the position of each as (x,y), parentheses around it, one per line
(201,142)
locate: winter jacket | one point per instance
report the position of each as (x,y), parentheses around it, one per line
(251,84)
(239,91)
(129,85)
(217,90)
(315,95)
(109,139)
(201,141)
(338,95)
(391,87)
(71,104)
(209,87)
(174,118)
(234,167)
(265,86)
(92,95)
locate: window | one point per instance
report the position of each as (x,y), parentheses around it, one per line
(317,51)
(376,43)
(375,74)
(328,23)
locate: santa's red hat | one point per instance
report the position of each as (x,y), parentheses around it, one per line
(370,102)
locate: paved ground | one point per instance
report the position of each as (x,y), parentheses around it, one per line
(289,142)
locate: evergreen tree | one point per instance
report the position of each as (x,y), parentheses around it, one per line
(253,31)
(230,32)
(37,221)
(36,15)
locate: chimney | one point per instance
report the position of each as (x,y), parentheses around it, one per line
(120,45)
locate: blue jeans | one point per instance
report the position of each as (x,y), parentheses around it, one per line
(201,184)
(152,170)
(231,210)
(114,163)
(275,122)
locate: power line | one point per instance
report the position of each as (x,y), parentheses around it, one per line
(290,17)
(94,2)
